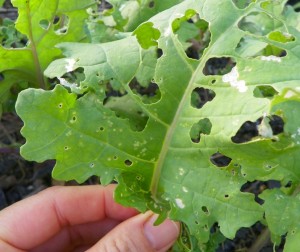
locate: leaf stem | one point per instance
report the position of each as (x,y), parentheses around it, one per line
(171,130)
(39,72)
(188,90)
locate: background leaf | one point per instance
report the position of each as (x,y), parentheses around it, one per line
(123,16)
(44,24)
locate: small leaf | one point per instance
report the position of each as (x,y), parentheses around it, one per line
(147,35)
(282,216)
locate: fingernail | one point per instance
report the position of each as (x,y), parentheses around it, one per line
(162,235)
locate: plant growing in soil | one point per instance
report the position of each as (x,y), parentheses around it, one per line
(163,111)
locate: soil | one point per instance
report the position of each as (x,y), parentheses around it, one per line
(20,178)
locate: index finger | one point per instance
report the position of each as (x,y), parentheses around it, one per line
(34,220)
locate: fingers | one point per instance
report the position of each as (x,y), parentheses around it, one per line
(78,236)
(35,220)
(138,234)
(60,216)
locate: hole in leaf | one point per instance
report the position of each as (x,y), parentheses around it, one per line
(107,6)
(268,126)
(258,23)
(214,228)
(295,4)
(226,196)
(112,91)
(66,147)
(125,107)
(274,51)
(265,126)
(159,52)
(73,78)
(101,128)
(200,96)
(218,66)
(128,162)
(289,184)
(277,124)
(56,20)
(281,37)
(246,132)
(257,187)
(201,127)
(61,24)
(220,160)
(252,47)
(44,23)
(151,4)
(246,238)
(115,158)
(193,33)
(242,4)
(60,105)
(104,5)
(205,227)
(205,210)
(149,93)
(264,91)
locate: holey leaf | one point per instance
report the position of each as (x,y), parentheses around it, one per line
(44,23)
(166,126)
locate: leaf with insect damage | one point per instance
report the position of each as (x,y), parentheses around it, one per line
(174,146)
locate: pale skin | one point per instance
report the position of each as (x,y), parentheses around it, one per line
(84,218)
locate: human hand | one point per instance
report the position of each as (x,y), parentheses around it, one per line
(84,218)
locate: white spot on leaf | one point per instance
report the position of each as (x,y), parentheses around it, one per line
(185,189)
(69,133)
(70,65)
(65,83)
(279,197)
(289,94)
(167,32)
(179,203)
(181,171)
(271,58)
(232,79)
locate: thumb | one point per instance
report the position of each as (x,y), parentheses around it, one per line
(138,234)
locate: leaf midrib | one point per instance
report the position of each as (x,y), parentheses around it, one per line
(168,138)
(39,73)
